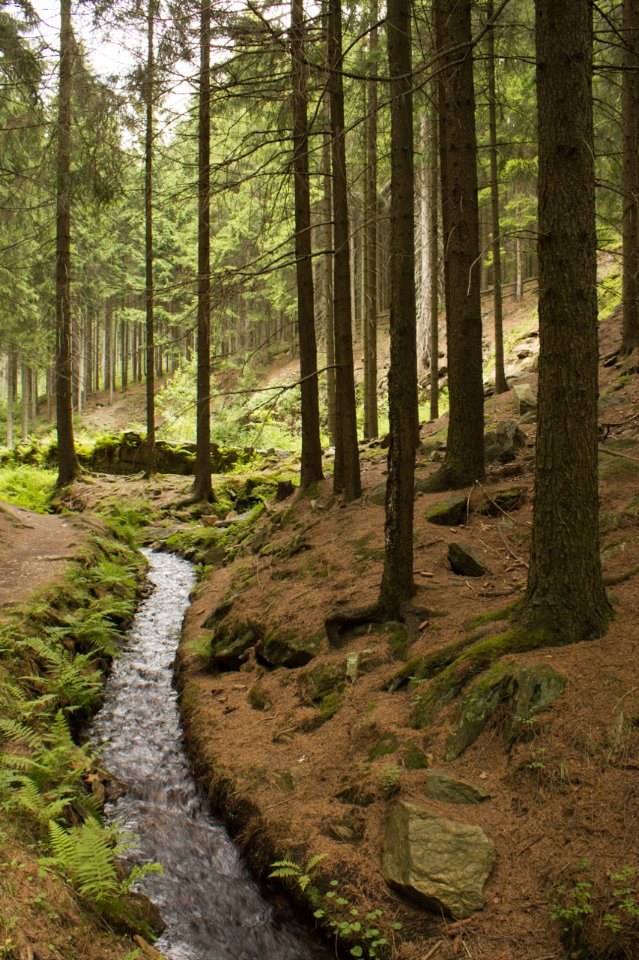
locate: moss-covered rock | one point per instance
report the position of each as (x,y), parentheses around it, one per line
(259,699)
(386,745)
(522,692)
(464,561)
(448,513)
(502,501)
(284,649)
(413,758)
(231,643)
(322,679)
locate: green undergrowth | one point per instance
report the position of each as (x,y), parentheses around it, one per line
(27,486)
(54,652)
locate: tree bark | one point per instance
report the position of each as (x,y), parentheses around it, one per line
(149,91)
(630,180)
(25,397)
(327,262)
(67,460)
(566,595)
(202,486)
(433,250)
(500,375)
(346,476)
(10,376)
(397,580)
(371,425)
(464,461)
(311,465)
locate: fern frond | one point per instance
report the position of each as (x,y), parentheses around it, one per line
(16,732)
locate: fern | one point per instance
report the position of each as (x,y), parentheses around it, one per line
(87,854)
(72,681)
(289,870)
(17,732)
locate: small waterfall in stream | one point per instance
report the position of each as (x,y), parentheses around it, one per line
(212,907)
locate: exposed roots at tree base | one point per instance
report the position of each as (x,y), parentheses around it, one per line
(451,676)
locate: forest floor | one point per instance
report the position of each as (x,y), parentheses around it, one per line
(299,772)
(562,802)
(34,551)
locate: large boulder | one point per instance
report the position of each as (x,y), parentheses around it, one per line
(439,863)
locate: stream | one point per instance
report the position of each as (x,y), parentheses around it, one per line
(213,908)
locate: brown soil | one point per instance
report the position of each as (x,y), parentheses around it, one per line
(565,796)
(34,551)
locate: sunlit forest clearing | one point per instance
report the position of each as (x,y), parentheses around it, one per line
(318,480)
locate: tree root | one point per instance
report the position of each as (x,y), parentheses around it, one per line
(429,666)
(621,577)
(450,680)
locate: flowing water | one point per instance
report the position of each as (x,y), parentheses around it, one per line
(212,907)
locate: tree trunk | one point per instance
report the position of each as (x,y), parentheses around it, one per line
(566,596)
(124,355)
(397,580)
(67,461)
(202,486)
(433,249)
(371,425)
(327,264)
(107,350)
(311,466)
(33,392)
(630,181)
(423,247)
(500,376)
(149,301)
(10,376)
(464,462)
(24,397)
(519,275)
(346,476)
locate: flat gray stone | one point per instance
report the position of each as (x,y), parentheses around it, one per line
(441,864)
(441,786)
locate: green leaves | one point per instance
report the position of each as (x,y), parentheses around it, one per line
(338,915)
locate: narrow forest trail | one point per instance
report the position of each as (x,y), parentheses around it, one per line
(34,551)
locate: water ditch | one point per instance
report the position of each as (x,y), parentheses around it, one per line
(213,908)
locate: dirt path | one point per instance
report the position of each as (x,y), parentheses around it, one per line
(34,551)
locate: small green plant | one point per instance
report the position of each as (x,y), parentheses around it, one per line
(336,912)
(624,910)
(389,784)
(571,906)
